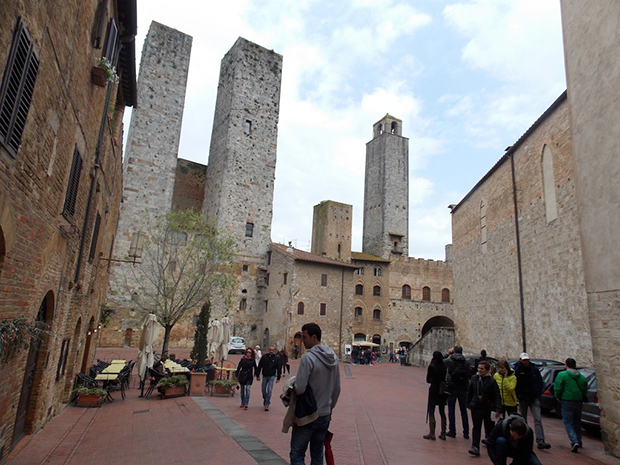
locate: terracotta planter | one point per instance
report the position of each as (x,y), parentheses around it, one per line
(173,391)
(88,400)
(219,389)
(98,77)
(197,384)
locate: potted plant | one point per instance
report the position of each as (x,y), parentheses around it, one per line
(224,386)
(103,72)
(173,386)
(89,397)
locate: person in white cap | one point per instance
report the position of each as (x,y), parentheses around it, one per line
(259,354)
(529,389)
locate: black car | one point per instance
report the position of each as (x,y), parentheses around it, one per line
(548,402)
(471,361)
(539,362)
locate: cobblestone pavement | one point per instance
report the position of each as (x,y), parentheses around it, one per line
(379,419)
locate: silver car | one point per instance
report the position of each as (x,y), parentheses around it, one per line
(236,344)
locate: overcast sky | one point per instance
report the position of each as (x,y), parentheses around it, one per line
(466,78)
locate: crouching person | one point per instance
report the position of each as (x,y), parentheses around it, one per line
(513,438)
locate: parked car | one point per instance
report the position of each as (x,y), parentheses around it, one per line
(591,412)
(539,362)
(471,361)
(236,344)
(548,402)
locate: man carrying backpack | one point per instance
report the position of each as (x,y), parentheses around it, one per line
(457,382)
(513,438)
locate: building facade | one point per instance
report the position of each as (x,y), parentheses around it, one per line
(517,251)
(60,188)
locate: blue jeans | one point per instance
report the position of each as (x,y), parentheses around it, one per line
(534,406)
(313,433)
(460,395)
(501,453)
(267,388)
(571,416)
(245,394)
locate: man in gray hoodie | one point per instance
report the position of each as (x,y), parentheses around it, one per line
(318,370)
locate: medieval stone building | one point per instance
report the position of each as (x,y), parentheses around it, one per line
(60,186)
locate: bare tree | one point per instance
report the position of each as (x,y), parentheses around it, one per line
(186,262)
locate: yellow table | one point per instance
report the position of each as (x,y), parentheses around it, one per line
(113,368)
(106,376)
(174,367)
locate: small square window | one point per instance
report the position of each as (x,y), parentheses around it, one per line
(245,267)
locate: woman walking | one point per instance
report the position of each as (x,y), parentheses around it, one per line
(246,370)
(436,377)
(507,384)
(286,368)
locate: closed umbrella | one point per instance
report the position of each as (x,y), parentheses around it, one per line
(213,337)
(225,337)
(145,358)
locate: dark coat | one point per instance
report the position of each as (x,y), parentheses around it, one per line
(269,365)
(520,450)
(529,382)
(245,371)
(435,374)
(483,394)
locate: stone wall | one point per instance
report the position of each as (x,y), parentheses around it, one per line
(486,272)
(591,43)
(331,230)
(189,185)
(52,263)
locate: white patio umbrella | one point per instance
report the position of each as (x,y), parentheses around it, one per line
(225,337)
(213,337)
(145,358)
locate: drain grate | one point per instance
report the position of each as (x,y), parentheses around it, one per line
(141,411)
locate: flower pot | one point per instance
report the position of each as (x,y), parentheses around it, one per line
(88,400)
(219,389)
(98,77)
(173,391)
(197,384)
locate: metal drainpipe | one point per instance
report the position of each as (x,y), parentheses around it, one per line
(518,237)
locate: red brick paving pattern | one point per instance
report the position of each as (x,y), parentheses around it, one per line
(379,419)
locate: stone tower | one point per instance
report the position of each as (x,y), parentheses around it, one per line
(331,230)
(386,191)
(153,140)
(242,162)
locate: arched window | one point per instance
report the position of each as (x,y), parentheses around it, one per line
(407,292)
(376,291)
(426,293)
(376,314)
(243,304)
(551,205)
(483,226)
(445,295)
(377,271)
(300,308)
(358,313)
(359,289)
(381,128)
(393,127)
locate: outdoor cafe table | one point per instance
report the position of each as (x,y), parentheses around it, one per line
(174,367)
(224,373)
(114,368)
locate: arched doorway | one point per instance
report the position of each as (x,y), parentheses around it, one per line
(30,382)
(128,334)
(437,321)
(265,340)
(73,357)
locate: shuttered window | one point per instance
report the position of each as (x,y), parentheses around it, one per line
(20,75)
(74,183)
(93,243)
(110,41)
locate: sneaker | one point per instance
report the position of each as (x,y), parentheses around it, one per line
(575,448)
(543,445)
(241,406)
(245,407)
(442,436)
(451,434)
(474,451)
(429,436)
(266,409)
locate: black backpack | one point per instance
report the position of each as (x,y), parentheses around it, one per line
(460,376)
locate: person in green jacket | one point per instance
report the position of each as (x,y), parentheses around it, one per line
(507,384)
(571,387)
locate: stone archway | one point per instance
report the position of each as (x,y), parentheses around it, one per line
(437,322)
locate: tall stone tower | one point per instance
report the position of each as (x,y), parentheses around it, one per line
(331,230)
(386,191)
(242,162)
(153,140)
